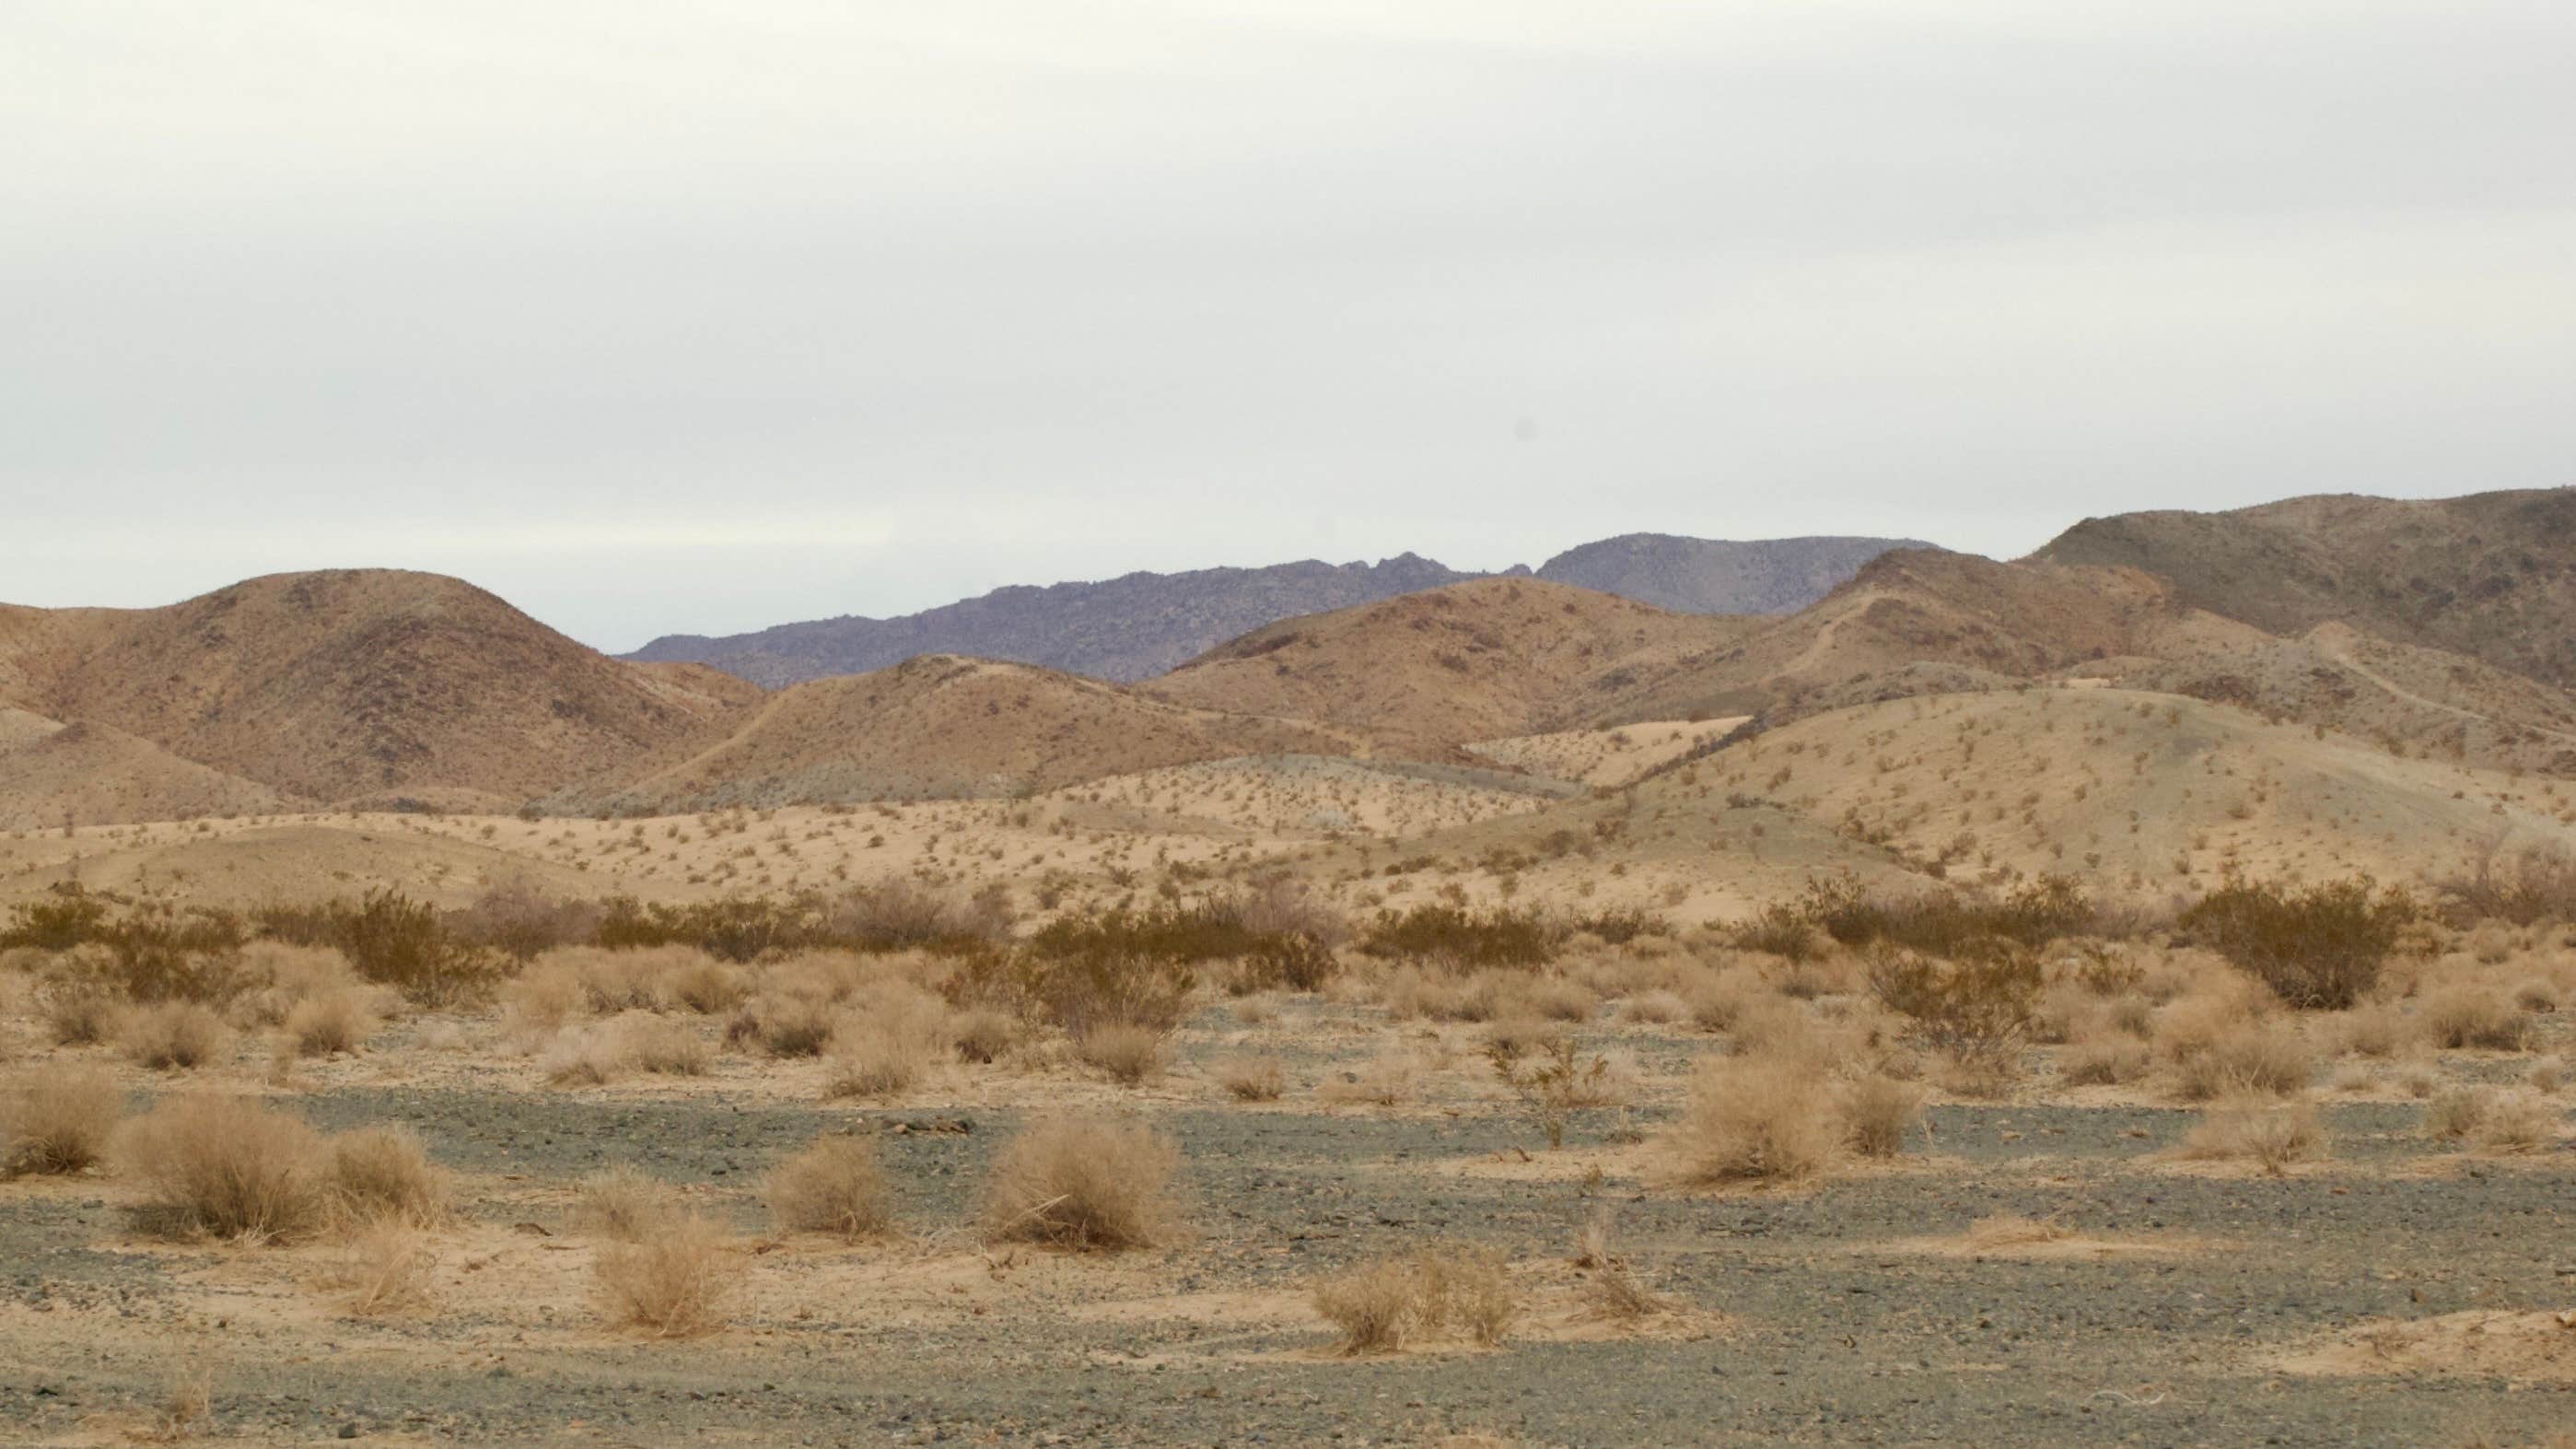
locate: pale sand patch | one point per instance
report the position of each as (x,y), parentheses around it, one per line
(2525,1346)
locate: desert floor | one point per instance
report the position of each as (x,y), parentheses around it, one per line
(2399,1290)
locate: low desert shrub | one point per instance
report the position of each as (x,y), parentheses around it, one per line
(2104,1061)
(518,921)
(624,1202)
(383,1174)
(384,1268)
(784,1025)
(227,1167)
(171,1035)
(330,1022)
(674,1281)
(1877,1112)
(983,1034)
(1083,1184)
(1755,1119)
(2524,888)
(878,1059)
(2271,1134)
(2251,1057)
(2318,947)
(56,1121)
(2461,1016)
(664,1046)
(1555,1081)
(1974,1008)
(395,941)
(707,986)
(586,1056)
(79,1012)
(1947,923)
(2499,1121)
(1387,1079)
(1461,938)
(835,1186)
(1251,1078)
(1125,1052)
(1450,1290)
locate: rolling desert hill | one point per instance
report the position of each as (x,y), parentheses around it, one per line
(1923,622)
(2491,576)
(91,774)
(942,727)
(2155,793)
(1141,625)
(349,683)
(1426,673)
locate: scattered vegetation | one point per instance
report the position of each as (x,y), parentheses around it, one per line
(1449,1290)
(2319,948)
(1081,1184)
(835,1186)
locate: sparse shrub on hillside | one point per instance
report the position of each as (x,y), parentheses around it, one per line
(2525,887)
(901,913)
(1620,925)
(521,922)
(1087,1185)
(1279,906)
(2318,947)
(54,1121)
(1949,924)
(1779,929)
(71,919)
(835,1186)
(1462,938)
(740,928)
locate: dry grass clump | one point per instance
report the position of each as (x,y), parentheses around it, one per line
(1251,1078)
(383,1174)
(384,1268)
(2376,1031)
(674,1281)
(2104,1061)
(706,985)
(228,1167)
(1877,1112)
(187,1407)
(586,1056)
(330,1022)
(2464,1016)
(2497,1121)
(77,1014)
(2272,1134)
(663,1046)
(1519,1035)
(1612,1292)
(835,1186)
(1449,1290)
(1557,1081)
(55,1122)
(1558,999)
(1654,1008)
(624,1202)
(1129,1053)
(1755,1119)
(171,1035)
(2254,1056)
(983,1034)
(1083,1185)
(784,1024)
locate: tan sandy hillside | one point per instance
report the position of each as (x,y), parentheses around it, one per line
(2154,794)
(1428,672)
(354,682)
(1926,622)
(90,774)
(944,727)
(2491,575)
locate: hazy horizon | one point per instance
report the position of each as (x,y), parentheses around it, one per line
(678,317)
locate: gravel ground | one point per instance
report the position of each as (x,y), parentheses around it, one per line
(1834,1336)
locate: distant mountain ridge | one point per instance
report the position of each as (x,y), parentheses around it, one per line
(1142,625)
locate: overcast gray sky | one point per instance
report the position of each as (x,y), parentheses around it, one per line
(657,316)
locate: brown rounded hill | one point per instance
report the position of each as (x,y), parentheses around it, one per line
(347,683)
(1425,673)
(943,727)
